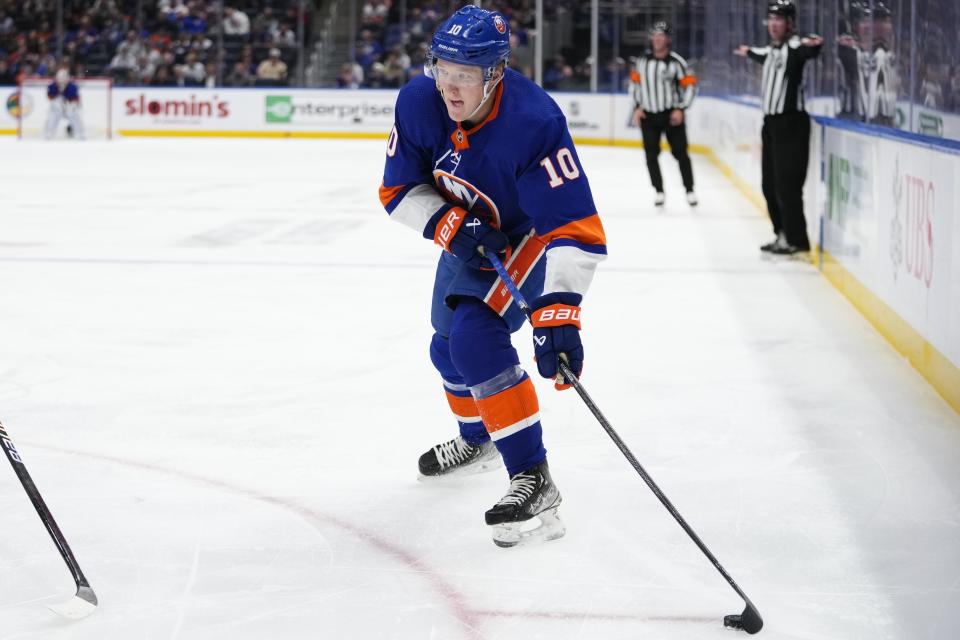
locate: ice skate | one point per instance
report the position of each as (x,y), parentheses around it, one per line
(528,512)
(782,249)
(457,457)
(659,199)
(692,199)
(768,247)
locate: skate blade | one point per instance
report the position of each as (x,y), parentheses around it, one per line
(800,256)
(542,527)
(481,466)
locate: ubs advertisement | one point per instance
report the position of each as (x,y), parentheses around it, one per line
(890,219)
(917,247)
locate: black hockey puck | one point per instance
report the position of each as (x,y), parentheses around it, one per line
(733,621)
(750,620)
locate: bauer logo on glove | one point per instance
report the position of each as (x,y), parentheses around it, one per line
(458,232)
(556,334)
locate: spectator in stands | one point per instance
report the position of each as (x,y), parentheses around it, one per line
(395,68)
(273,70)
(375,76)
(7,76)
(201,44)
(375,13)
(103,10)
(172,9)
(284,36)
(558,74)
(151,62)
(7,26)
(194,73)
(246,57)
(212,71)
(26,70)
(235,22)
(162,77)
(931,91)
(194,22)
(521,57)
(19,57)
(368,49)
(114,33)
(128,55)
(347,78)
(85,36)
(264,25)
(180,76)
(239,76)
(46,64)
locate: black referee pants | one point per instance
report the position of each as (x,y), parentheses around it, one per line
(786,151)
(653,126)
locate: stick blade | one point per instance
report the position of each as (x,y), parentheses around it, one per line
(750,620)
(79,606)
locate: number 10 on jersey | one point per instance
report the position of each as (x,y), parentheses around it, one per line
(567,165)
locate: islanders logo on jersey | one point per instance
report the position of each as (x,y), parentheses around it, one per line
(460,191)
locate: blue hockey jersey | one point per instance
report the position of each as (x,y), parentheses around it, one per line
(69,92)
(517,168)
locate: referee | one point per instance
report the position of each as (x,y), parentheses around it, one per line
(786,125)
(662,89)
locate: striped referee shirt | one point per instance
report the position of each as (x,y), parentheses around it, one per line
(662,84)
(782,87)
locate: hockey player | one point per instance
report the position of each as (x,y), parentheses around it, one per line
(663,89)
(480,161)
(64,103)
(786,126)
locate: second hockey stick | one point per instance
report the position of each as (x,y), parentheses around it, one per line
(85,601)
(750,620)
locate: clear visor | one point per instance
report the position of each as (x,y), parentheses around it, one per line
(458,76)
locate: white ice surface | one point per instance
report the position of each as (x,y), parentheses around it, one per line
(213,357)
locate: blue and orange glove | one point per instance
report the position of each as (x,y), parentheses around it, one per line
(556,330)
(462,233)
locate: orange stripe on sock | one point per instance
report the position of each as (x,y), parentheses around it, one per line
(463,407)
(509,407)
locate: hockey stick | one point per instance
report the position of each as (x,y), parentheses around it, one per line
(85,601)
(750,620)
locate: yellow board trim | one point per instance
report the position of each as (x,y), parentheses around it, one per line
(8,132)
(939,371)
(932,365)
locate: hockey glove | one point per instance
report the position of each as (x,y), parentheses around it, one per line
(556,331)
(462,233)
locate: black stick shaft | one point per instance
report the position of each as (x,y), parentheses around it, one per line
(595,410)
(45,516)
